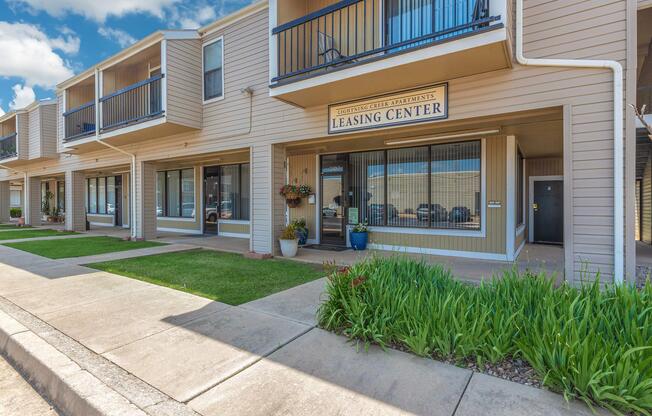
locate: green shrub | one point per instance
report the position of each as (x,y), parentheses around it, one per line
(591,343)
(15,213)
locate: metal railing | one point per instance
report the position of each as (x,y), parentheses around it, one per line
(353,31)
(79,122)
(133,104)
(644,96)
(8,146)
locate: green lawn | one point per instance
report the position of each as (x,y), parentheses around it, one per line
(79,247)
(225,277)
(32,233)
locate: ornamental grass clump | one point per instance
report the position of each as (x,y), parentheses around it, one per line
(592,343)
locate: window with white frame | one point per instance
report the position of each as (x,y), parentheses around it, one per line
(214,70)
(100,194)
(175,193)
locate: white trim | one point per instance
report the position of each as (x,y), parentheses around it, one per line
(510,204)
(438,252)
(100,215)
(178,230)
(180,34)
(164,74)
(483,187)
(234,235)
(129,129)
(273,46)
(203,72)
(439,50)
(178,219)
(524,201)
(426,231)
(101,224)
(318,199)
(227,221)
(531,200)
(202,207)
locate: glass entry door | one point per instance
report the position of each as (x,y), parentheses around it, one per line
(333,206)
(211,199)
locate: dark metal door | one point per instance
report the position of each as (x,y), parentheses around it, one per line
(548,209)
(118,201)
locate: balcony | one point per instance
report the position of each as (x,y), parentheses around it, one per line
(356,48)
(147,91)
(8,149)
(133,104)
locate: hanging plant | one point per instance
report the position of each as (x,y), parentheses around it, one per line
(290,191)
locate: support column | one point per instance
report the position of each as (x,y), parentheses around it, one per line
(75,183)
(145,197)
(5,201)
(33,201)
(268,207)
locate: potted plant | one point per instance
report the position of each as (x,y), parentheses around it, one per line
(291,194)
(289,242)
(301,230)
(359,236)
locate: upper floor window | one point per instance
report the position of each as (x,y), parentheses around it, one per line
(213,70)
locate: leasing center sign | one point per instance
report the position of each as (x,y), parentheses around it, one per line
(414,106)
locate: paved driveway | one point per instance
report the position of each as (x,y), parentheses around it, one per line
(262,358)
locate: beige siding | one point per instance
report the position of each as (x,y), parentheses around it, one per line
(48,130)
(303,171)
(75,201)
(100,219)
(646,204)
(184,82)
(34,141)
(23,135)
(556,29)
(234,228)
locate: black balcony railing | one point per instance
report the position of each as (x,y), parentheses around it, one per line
(80,121)
(133,104)
(353,31)
(8,146)
(644,97)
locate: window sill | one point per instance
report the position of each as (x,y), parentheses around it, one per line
(427,231)
(183,219)
(224,221)
(214,99)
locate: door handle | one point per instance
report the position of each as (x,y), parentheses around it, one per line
(535,207)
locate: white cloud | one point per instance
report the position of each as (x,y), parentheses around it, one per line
(98,10)
(121,37)
(23,96)
(28,53)
(2,112)
(193,17)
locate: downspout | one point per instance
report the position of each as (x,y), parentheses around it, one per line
(617,69)
(132,187)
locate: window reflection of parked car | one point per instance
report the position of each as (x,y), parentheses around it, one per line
(437,213)
(377,211)
(211,213)
(460,214)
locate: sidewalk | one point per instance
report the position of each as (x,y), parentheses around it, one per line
(262,358)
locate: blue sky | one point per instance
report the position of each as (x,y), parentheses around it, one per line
(43,42)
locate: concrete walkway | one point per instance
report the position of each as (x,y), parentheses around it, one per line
(262,358)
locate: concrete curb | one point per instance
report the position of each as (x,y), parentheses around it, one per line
(71,389)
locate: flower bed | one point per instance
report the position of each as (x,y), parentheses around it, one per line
(589,343)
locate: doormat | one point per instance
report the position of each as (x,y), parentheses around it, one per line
(326,247)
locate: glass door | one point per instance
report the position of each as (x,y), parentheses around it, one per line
(211,199)
(333,205)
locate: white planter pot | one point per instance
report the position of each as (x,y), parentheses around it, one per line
(289,247)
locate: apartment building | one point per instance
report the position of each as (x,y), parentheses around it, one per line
(419,118)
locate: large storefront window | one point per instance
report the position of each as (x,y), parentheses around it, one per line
(234,192)
(175,193)
(101,195)
(455,186)
(436,186)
